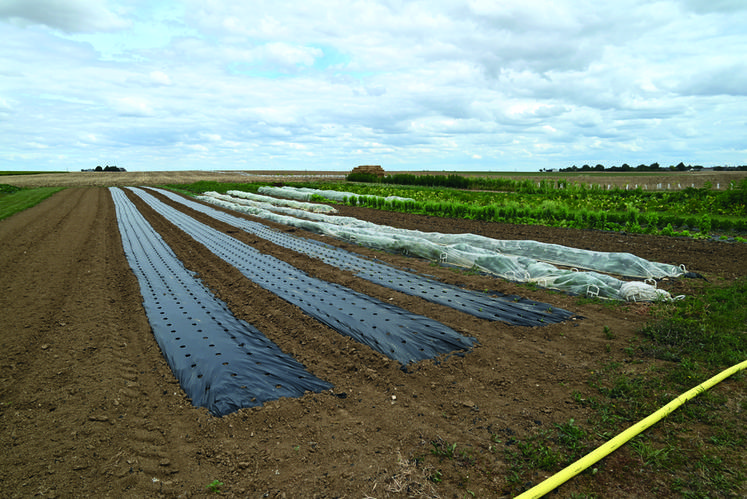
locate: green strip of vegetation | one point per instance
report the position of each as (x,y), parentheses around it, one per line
(210,185)
(691,212)
(488,182)
(14,199)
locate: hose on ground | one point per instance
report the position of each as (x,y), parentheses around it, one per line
(600,452)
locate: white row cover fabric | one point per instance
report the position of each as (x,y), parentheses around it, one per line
(305,193)
(271,202)
(518,261)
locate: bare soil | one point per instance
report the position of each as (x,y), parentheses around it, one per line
(89,407)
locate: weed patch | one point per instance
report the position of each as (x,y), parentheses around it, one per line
(548,450)
(697,451)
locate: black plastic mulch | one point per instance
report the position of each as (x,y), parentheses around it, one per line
(509,309)
(390,330)
(222,363)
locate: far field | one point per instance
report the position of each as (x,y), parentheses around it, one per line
(684,179)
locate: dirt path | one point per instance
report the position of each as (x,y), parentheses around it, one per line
(88,406)
(88,402)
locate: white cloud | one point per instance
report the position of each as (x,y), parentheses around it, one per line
(132,106)
(287,56)
(6,110)
(212,137)
(160,77)
(716,79)
(406,84)
(70,16)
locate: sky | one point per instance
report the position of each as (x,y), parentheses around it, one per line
(474,85)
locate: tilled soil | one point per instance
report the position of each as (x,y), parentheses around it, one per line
(89,407)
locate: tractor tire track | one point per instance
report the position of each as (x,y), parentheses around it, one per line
(83,321)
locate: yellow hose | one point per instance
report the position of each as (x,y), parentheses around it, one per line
(600,452)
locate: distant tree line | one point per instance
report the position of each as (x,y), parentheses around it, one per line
(653,167)
(106,168)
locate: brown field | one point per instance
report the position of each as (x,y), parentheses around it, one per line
(90,179)
(89,407)
(93,179)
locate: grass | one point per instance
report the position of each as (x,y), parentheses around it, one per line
(548,450)
(14,199)
(209,185)
(695,452)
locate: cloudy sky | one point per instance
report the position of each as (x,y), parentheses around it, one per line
(514,85)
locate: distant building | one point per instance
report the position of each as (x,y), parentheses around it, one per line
(370,169)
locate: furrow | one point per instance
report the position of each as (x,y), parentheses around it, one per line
(221,362)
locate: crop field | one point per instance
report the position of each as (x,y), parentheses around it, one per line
(91,179)
(154,345)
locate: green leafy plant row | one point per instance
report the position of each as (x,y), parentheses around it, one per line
(578,195)
(559,215)
(737,193)
(691,212)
